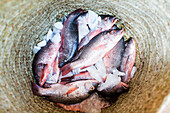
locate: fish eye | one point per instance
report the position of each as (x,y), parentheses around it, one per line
(112,31)
(106,18)
(92,88)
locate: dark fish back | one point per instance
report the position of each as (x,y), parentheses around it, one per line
(69,35)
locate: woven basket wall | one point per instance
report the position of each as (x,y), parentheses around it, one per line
(24,22)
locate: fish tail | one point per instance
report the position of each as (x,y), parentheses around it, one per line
(121,87)
(35,89)
(78,11)
(124,86)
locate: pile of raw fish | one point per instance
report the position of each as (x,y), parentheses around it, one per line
(82,60)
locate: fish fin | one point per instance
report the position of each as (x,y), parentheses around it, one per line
(80,74)
(124,85)
(44,76)
(95,33)
(84,67)
(77,12)
(100,47)
(78,55)
(35,89)
(133,71)
(106,56)
(104,79)
(66,69)
(71,90)
(64,20)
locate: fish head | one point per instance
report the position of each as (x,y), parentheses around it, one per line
(116,35)
(107,21)
(91,86)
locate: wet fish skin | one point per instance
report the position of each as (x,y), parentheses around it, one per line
(128,59)
(112,59)
(43,61)
(69,38)
(58,93)
(95,50)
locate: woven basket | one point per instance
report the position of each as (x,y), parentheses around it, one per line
(24,23)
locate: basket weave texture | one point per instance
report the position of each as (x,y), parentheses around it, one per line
(23,23)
